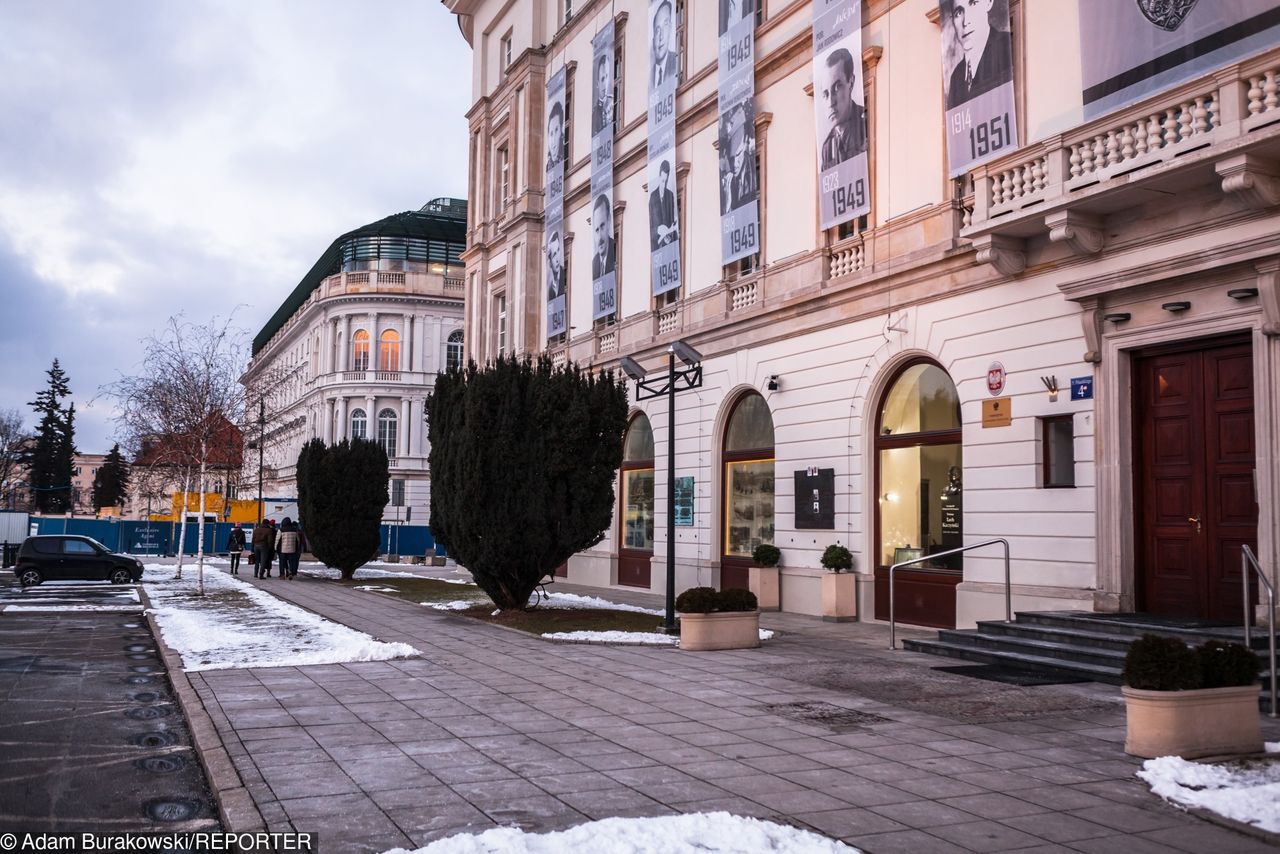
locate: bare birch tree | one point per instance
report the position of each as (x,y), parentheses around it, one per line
(13,441)
(185,393)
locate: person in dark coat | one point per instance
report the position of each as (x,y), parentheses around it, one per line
(235,546)
(289,546)
(264,543)
(987,60)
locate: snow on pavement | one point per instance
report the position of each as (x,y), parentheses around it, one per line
(1245,791)
(639,638)
(673,834)
(238,625)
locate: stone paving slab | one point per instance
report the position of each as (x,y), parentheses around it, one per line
(491,727)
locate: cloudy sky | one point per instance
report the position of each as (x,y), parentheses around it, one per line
(160,157)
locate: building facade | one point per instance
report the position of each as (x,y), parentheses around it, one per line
(1057,323)
(354,350)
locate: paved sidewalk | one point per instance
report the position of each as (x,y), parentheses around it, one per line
(822,727)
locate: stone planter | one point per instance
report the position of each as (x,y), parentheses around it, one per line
(1191,724)
(720,630)
(437,560)
(764,582)
(839,597)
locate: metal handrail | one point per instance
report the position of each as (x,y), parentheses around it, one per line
(1008,587)
(1247,560)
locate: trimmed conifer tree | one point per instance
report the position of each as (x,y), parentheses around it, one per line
(523,461)
(51,458)
(111,482)
(342,491)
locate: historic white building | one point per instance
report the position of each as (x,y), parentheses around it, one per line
(1074,345)
(354,350)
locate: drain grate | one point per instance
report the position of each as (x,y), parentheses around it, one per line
(138,647)
(159,738)
(143,668)
(172,810)
(139,680)
(148,713)
(140,656)
(144,697)
(162,764)
(824,714)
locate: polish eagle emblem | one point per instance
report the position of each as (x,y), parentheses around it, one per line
(1166,14)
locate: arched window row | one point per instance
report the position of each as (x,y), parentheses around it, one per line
(387,432)
(748,486)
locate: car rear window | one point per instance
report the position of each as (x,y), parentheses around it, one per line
(51,546)
(77,547)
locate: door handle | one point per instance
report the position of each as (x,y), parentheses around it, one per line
(1195,519)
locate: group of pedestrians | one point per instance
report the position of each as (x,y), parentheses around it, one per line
(268,543)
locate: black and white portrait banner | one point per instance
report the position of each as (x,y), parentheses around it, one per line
(739,182)
(839,110)
(604,252)
(664,215)
(977,79)
(553,209)
(1130,49)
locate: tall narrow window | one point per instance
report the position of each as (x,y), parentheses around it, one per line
(682,44)
(453,351)
(619,68)
(567,135)
(504,50)
(504,176)
(387,432)
(359,424)
(568,11)
(389,351)
(360,351)
(501,314)
(397,492)
(748,487)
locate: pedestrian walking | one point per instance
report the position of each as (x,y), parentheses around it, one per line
(264,540)
(289,546)
(235,547)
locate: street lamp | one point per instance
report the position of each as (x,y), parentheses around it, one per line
(262,436)
(690,377)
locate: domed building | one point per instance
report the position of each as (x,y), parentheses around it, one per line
(354,349)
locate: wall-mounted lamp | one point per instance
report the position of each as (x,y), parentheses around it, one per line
(1242,293)
(773,382)
(1117,317)
(1180,305)
(891,497)
(1051,383)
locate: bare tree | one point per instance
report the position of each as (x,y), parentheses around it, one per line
(13,440)
(184,396)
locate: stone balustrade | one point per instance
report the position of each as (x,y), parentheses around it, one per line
(847,256)
(668,320)
(742,295)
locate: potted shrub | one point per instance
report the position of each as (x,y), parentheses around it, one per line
(764,578)
(718,619)
(1190,702)
(839,588)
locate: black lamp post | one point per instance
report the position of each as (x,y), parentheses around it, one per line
(690,377)
(262,436)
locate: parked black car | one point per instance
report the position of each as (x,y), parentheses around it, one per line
(65,557)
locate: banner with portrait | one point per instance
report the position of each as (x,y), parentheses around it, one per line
(977,82)
(840,111)
(604,250)
(1130,49)
(739,180)
(553,209)
(664,213)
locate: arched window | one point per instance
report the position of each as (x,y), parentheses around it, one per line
(389,351)
(453,350)
(359,424)
(748,487)
(360,351)
(387,432)
(636,549)
(919,473)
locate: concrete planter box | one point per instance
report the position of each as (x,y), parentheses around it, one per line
(437,560)
(839,597)
(764,581)
(720,630)
(1191,724)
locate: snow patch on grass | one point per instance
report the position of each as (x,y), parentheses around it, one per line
(637,638)
(1247,792)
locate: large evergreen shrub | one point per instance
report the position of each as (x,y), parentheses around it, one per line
(1227,665)
(1156,663)
(523,462)
(342,491)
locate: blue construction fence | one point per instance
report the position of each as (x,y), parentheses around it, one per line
(161,538)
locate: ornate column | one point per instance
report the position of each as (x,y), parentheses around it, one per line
(375,341)
(341,432)
(371,419)
(328,421)
(402,441)
(344,346)
(415,427)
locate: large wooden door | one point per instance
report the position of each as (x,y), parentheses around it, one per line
(1194,478)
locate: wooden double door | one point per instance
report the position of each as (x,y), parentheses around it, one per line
(1195,498)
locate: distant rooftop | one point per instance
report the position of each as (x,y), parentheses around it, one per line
(435,234)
